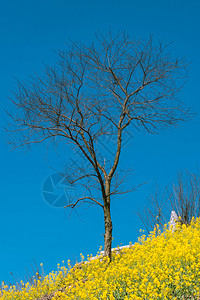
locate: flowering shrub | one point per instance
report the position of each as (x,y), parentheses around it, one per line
(161,266)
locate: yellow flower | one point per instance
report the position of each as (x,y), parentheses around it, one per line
(161,266)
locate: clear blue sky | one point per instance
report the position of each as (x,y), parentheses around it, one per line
(30,33)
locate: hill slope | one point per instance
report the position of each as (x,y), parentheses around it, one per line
(161,266)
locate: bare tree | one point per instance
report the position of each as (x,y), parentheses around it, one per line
(182,197)
(156,212)
(96,91)
(185,198)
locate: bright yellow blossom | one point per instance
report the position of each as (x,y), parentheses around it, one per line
(161,266)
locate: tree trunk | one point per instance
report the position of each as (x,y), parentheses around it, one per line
(108,231)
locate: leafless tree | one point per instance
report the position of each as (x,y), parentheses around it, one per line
(185,199)
(156,212)
(95,91)
(182,197)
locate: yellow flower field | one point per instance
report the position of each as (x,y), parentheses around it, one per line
(161,266)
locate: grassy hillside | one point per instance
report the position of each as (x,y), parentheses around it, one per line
(161,266)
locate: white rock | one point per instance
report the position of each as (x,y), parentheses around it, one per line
(173,220)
